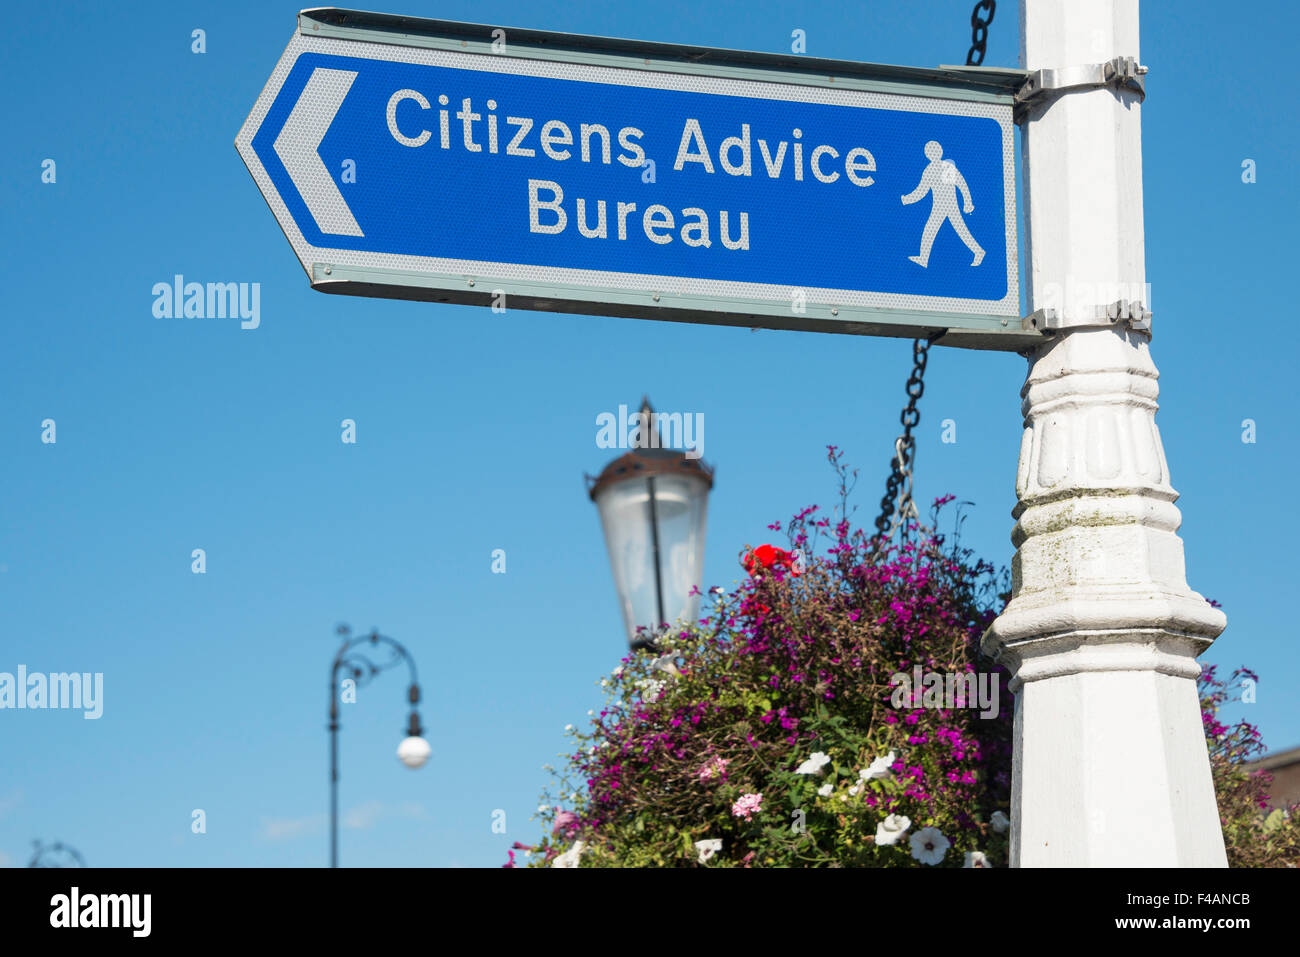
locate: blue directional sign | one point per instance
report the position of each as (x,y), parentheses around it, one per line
(466,163)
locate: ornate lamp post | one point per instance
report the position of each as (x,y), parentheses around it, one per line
(354,659)
(57,854)
(1101,636)
(653,505)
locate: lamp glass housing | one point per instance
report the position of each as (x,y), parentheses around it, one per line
(681,510)
(413,751)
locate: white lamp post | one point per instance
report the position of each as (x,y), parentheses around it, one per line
(653,505)
(1102,634)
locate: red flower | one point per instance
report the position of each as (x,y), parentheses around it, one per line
(769,556)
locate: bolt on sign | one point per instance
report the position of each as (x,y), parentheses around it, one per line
(455,162)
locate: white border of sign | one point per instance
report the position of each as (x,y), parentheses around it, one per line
(639,294)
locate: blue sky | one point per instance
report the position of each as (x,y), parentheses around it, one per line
(474,431)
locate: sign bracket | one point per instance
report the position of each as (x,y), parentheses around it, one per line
(1135,315)
(1121,72)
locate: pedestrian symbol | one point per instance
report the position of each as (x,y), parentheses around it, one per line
(941,178)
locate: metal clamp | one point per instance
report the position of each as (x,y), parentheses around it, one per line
(1123,72)
(1133,314)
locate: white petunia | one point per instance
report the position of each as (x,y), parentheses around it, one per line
(929,845)
(814,764)
(708,848)
(667,663)
(892,828)
(572,856)
(1001,823)
(855,789)
(650,689)
(976,859)
(568,727)
(879,768)
(825,790)
(542,808)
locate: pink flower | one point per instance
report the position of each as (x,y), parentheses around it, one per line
(747,805)
(714,768)
(564,820)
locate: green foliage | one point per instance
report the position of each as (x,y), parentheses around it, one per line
(1253,835)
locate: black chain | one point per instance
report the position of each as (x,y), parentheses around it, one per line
(979,31)
(901,466)
(905,448)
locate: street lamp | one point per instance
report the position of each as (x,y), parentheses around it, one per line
(653,505)
(354,659)
(57,854)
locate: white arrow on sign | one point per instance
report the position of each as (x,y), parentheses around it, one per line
(298,147)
